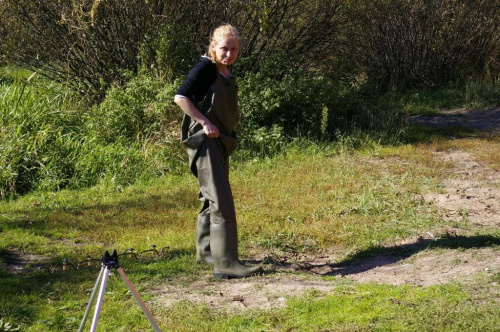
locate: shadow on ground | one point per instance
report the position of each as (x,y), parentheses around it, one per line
(379,256)
(376,257)
(486,119)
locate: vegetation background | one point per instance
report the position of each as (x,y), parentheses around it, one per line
(86,106)
(319,69)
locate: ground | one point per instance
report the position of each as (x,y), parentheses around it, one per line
(471,191)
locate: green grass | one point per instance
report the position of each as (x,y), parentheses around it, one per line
(77,180)
(52,139)
(312,197)
(353,308)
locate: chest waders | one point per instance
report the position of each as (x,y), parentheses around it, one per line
(216,232)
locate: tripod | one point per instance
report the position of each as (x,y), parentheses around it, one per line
(109,261)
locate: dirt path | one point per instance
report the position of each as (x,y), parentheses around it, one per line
(472,191)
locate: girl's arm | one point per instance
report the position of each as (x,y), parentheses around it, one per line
(188,107)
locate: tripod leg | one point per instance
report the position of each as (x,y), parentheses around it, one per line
(139,300)
(92,296)
(99,299)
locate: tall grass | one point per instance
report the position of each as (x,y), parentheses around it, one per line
(36,138)
(50,140)
(473,94)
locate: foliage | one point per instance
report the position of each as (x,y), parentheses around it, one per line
(294,82)
(295,101)
(270,30)
(182,34)
(263,142)
(51,140)
(34,123)
(481,93)
(3,34)
(302,104)
(141,110)
(88,43)
(6,326)
(473,94)
(423,44)
(92,44)
(303,33)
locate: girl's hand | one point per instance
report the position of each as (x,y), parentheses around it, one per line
(210,130)
(188,107)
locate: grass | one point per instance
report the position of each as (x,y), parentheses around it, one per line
(314,195)
(353,308)
(51,139)
(311,197)
(355,196)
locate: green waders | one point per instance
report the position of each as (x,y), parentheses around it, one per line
(216,233)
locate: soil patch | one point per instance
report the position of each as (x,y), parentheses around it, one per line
(263,292)
(423,268)
(471,193)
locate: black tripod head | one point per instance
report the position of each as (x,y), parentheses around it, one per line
(110,260)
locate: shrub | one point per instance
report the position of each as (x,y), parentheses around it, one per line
(300,34)
(304,105)
(294,103)
(262,142)
(88,44)
(93,44)
(422,44)
(143,109)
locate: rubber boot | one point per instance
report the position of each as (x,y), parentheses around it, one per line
(203,253)
(224,247)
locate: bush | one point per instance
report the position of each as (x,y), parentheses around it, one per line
(88,44)
(262,142)
(304,105)
(294,103)
(422,44)
(93,44)
(141,110)
(269,29)
(305,34)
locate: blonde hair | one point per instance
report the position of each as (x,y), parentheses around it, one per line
(223,31)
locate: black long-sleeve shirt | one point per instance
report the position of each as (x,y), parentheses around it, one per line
(199,80)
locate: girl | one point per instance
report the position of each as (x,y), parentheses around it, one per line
(208,98)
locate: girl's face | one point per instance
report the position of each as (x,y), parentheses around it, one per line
(226,50)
